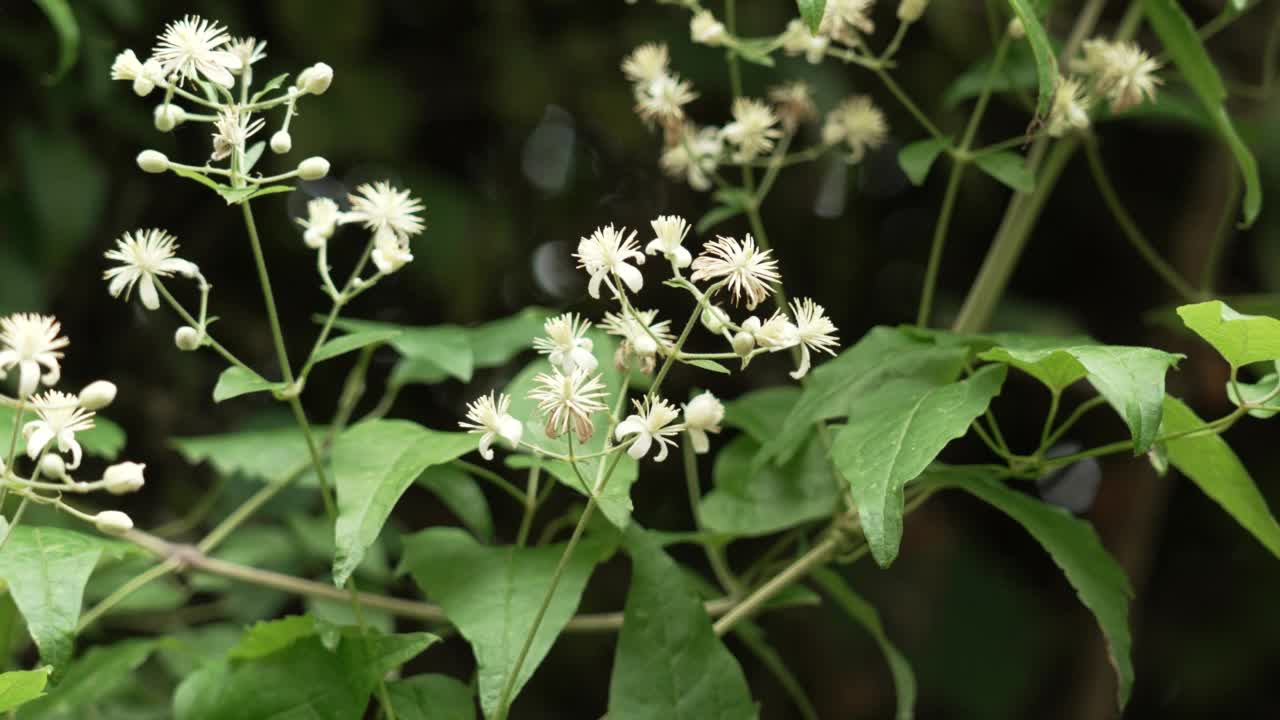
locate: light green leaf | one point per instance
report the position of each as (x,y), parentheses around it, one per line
(1240,339)
(881,355)
(1055,368)
(445,346)
(496,343)
(1182,42)
(892,436)
(373,464)
(670,665)
(811,12)
(1261,392)
(46,570)
(1042,49)
(755,50)
(916,159)
(237,381)
(19,687)
(267,454)
(253,154)
(715,216)
(866,615)
(462,495)
(105,440)
(431,697)
(64,24)
(201,178)
(272,84)
(272,636)
(1009,168)
(757,412)
(1075,548)
(1213,466)
(268,190)
(711,365)
(98,674)
(754,501)
(349,343)
(491,594)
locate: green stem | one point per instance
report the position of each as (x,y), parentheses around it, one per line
(1055,398)
(1074,417)
(939,242)
(715,553)
(485,473)
(133,585)
(264,279)
(908,103)
(1215,427)
(530,503)
(188,319)
(816,557)
(317,461)
(1226,228)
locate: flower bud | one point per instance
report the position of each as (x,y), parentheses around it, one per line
(97,395)
(169,116)
(313,168)
(704,412)
(125,477)
(910,11)
(1016,29)
(186,338)
(315,79)
(714,319)
(112,522)
(743,343)
(53,467)
(281,142)
(153,161)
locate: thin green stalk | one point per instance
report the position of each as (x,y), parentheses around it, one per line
(264,280)
(317,462)
(1214,427)
(939,242)
(1218,244)
(485,473)
(715,553)
(908,103)
(530,503)
(1054,399)
(188,319)
(133,585)
(817,556)
(11,460)
(1074,417)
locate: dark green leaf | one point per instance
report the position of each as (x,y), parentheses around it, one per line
(757,413)
(752,501)
(916,159)
(811,12)
(19,687)
(1009,168)
(349,343)
(97,675)
(64,24)
(893,434)
(1018,72)
(268,454)
(1240,339)
(715,216)
(445,346)
(462,495)
(1042,49)
(272,636)
(237,381)
(496,343)
(670,665)
(431,697)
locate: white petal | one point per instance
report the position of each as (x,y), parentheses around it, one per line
(683,258)
(147,293)
(485,441)
(511,429)
(640,447)
(583,359)
(28,377)
(662,452)
(631,277)
(593,287)
(40,437)
(632,425)
(804,363)
(654,247)
(701,443)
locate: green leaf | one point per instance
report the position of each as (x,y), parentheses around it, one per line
(1042,49)
(491,594)
(811,12)
(496,343)
(253,154)
(881,355)
(1075,548)
(916,159)
(237,381)
(1018,72)
(1240,339)
(201,178)
(715,216)
(1213,466)
(757,412)
(373,464)
(272,636)
(445,346)
(670,665)
(46,569)
(19,687)
(105,440)
(1182,42)
(892,436)
(614,502)
(350,343)
(272,84)
(462,495)
(711,365)
(866,615)
(68,31)
(268,454)
(755,50)
(1261,392)
(1055,368)
(752,501)
(100,673)
(431,697)
(268,190)
(1009,168)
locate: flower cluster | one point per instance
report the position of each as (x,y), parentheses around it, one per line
(1119,73)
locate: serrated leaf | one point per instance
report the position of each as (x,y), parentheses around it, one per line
(445,346)
(811,12)
(893,434)
(711,365)
(866,615)
(272,636)
(670,665)
(373,464)
(352,342)
(431,697)
(68,31)
(491,594)
(462,495)
(1042,49)
(916,159)
(753,500)
(1183,43)
(1214,467)
(1009,168)
(19,687)
(100,673)
(1240,339)
(237,381)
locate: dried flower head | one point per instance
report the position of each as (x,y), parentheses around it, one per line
(814,330)
(609,252)
(844,19)
(231,131)
(693,156)
(321,221)
(662,99)
(652,422)
(31,342)
(646,63)
(753,129)
(749,270)
(145,255)
(797,40)
(794,104)
(488,416)
(642,333)
(858,123)
(669,233)
(567,402)
(705,29)
(703,415)
(380,206)
(566,344)
(1123,72)
(1070,108)
(59,418)
(193,47)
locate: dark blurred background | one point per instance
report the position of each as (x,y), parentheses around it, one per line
(511,120)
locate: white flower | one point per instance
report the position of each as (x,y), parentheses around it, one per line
(702,415)
(320,222)
(704,28)
(30,342)
(60,417)
(858,123)
(663,99)
(232,130)
(1122,71)
(752,129)
(749,270)
(145,76)
(567,402)
(390,251)
(145,255)
(566,344)
(844,19)
(380,206)
(776,333)
(694,156)
(247,51)
(814,330)
(1070,108)
(187,338)
(192,47)
(646,63)
(489,417)
(642,333)
(669,234)
(123,478)
(651,421)
(797,40)
(607,253)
